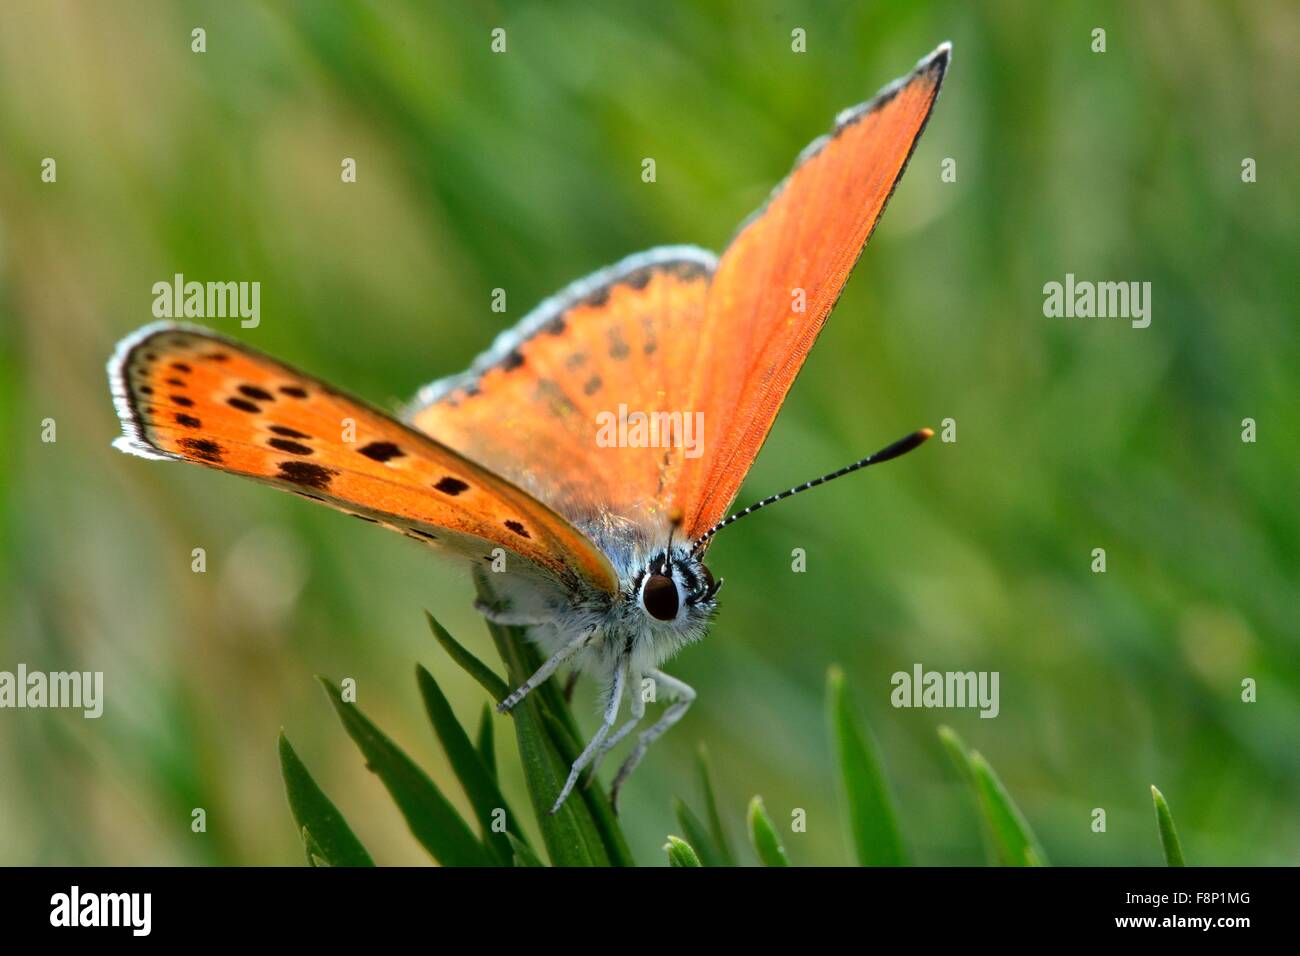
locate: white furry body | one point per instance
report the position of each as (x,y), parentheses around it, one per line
(617,640)
(624,634)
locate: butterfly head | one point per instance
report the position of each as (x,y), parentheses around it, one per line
(675,587)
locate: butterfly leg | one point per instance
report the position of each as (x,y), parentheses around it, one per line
(684,695)
(638,712)
(593,747)
(546,670)
(503,614)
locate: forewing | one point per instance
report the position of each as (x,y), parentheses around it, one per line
(797,251)
(189,394)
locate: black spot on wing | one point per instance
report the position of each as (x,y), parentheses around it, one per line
(288,432)
(189,421)
(641,278)
(182,401)
(293,391)
(381,451)
(261,394)
(518,528)
(307,474)
(618,349)
(557,403)
(451,486)
(597,298)
(592,385)
(292,447)
(202,448)
(243,405)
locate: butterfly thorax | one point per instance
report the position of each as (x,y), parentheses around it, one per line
(666,599)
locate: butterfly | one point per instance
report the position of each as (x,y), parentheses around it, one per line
(597,521)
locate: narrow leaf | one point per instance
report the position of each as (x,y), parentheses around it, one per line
(315,855)
(469,663)
(872,821)
(697,834)
(961,761)
(716,829)
(478,784)
(584,832)
(957,751)
(680,853)
(767,843)
(486,744)
(523,853)
(1014,841)
(571,835)
(1168,835)
(432,819)
(591,792)
(326,836)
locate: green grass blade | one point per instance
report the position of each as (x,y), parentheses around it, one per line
(469,663)
(571,836)
(961,761)
(315,855)
(680,852)
(873,823)
(326,836)
(523,853)
(484,794)
(957,751)
(716,830)
(697,835)
(1168,835)
(585,831)
(767,843)
(1016,843)
(486,742)
(591,792)
(432,819)
(1011,841)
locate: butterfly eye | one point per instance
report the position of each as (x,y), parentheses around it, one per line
(659,597)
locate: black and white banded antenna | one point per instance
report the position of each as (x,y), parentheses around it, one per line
(900,447)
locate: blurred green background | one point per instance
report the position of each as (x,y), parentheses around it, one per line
(522,171)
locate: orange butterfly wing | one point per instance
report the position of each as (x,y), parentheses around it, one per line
(809,236)
(189,394)
(537,406)
(673,330)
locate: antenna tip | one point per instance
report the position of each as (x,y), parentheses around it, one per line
(926,434)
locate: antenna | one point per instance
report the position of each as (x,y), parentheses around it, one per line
(900,447)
